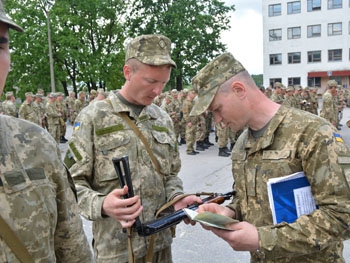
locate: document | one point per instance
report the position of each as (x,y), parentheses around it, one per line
(290,197)
(210,219)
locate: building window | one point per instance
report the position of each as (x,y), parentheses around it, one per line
(314,31)
(293,7)
(294,32)
(275,10)
(293,81)
(314,82)
(335,55)
(273,81)
(275,34)
(294,58)
(334,4)
(334,29)
(275,59)
(313,5)
(314,56)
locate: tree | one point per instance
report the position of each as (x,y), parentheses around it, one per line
(194,26)
(87,39)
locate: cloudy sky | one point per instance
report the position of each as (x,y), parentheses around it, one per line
(244,40)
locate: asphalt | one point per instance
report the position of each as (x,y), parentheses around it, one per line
(208,172)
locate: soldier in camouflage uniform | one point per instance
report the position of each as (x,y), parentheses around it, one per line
(27,111)
(279,141)
(61,108)
(289,100)
(101,134)
(70,105)
(329,109)
(276,96)
(190,123)
(36,201)
(9,106)
(79,103)
(53,117)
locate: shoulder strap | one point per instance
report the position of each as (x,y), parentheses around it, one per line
(14,243)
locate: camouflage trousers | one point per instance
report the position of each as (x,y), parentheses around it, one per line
(54,130)
(190,137)
(222,134)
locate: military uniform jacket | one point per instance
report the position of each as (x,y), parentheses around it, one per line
(27,112)
(100,135)
(9,108)
(295,141)
(36,201)
(52,114)
(329,108)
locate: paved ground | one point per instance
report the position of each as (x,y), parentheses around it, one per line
(209,172)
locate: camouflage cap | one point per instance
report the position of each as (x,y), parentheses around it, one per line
(39,95)
(290,88)
(93,92)
(5,19)
(209,79)
(332,83)
(277,85)
(9,94)
(29,94)
(52,95)
(150,49)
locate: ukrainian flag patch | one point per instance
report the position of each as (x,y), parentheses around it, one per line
(76,126)
(338,138)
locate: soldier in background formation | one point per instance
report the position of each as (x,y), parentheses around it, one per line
(27,110)
(40,110)
(70,105)
(9,106)
(329,109)
(62,109)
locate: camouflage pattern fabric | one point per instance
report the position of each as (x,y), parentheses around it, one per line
(329,108)
(305,143)
(143,49)
(100,134)
(36,200)
(209,79)
(27,112)
(9,108)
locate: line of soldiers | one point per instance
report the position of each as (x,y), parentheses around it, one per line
(194,131)
(334,99)
(50,112)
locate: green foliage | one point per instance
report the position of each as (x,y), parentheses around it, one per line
(259,79)
(88,38)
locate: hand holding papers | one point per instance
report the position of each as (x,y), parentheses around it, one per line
(290,197)
(210,219)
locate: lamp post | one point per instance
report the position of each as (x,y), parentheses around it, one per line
(46,6)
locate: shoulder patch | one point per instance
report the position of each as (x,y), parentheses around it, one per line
(338,137)
(76,126)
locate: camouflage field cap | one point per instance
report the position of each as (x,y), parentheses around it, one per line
(209,79)
(29,94)
(332,83)
(9,94)
(5,19)
(150,49)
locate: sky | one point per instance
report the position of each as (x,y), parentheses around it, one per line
(245,39)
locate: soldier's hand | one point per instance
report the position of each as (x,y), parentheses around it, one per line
(244,236)
(123,210)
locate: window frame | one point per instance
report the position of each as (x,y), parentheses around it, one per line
(290,32)
(273,57)
(313,33)
(332,57)
(291,8)
(313,6)
(312,55)
(275,30)
(273,11)
(331,30)
(294,57)
(332,5)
